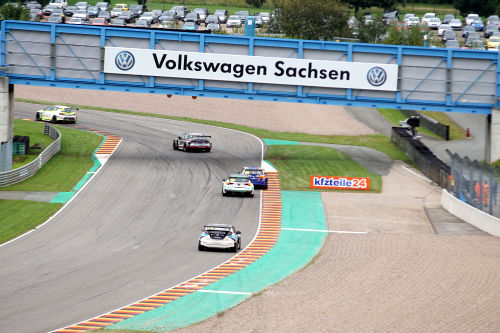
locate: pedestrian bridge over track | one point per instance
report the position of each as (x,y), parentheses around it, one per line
(283,70)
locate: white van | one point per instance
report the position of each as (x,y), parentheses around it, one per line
(59,3)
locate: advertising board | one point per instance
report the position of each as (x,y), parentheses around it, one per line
(271,70)
(340,183)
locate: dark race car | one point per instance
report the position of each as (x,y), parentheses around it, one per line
(192,142)
(257,176)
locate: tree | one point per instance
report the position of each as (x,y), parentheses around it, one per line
(481,7)
(402,36)
(11,11)
(255,3)
(362,4)
(369,31)
(313,19)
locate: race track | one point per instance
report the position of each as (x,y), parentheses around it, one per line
(132,231)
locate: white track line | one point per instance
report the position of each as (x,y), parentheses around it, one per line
(416,174)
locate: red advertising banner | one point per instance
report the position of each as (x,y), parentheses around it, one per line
(340,183)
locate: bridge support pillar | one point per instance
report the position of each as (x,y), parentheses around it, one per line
(493,146)
(6,123)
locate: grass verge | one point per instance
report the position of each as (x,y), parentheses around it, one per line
(65,169)
(296,163)
(19,216)
(456,132)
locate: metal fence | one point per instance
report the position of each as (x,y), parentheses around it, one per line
(26,171)
(427,162)
(475,183)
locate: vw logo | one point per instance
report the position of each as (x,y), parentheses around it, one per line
(124,60)
(376,76)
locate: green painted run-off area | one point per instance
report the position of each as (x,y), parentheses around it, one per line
(294,250)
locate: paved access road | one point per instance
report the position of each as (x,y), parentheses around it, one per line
(132,231)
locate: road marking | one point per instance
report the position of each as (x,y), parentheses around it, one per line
(416,174)
(225,292)
(330,231)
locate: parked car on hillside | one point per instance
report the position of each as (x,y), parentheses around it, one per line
(181,11)
(456,24)
(212,19)
(212,26)
(427,17)
(81,13)
(202,13)
(59,3)
(390,17)
(447,18)
(414,20)
(493,43)
(192,17)
(466,30)
(142,23)
(190,26)
(70,10)
(47,10)
(76,20)
(222,14)
(100,21)
(243,14)
(478,24)
(470,17)
(442,28)
(93,11)
(234,21)
(452,44)
(103,5)
(434,23)
(105,13)
(83,5)
(118,22)
(136,9)
(54,19)
(448,35)
(490,30)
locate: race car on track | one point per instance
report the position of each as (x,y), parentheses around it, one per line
(257,176)
(237,183)
(219,236)
(193,141)
(56,114)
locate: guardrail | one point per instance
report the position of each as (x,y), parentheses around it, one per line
(427,162)
(26,171)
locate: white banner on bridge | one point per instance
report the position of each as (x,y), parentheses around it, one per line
(228,67)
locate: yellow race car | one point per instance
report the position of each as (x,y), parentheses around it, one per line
(57,113)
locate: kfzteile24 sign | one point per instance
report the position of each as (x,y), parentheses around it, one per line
(227,67)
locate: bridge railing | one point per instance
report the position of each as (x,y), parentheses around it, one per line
(26,171)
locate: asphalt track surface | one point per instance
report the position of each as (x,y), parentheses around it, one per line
(132,231)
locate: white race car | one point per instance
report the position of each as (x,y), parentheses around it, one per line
(57,113)
(237,183)
(220,236)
